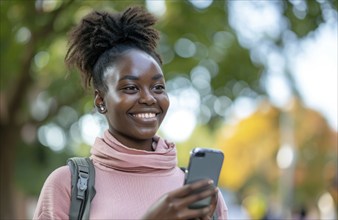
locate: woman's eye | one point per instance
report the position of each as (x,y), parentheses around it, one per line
(159,88)
(130,89)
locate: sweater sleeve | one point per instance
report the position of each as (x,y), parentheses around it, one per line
(54,200)
(222,209)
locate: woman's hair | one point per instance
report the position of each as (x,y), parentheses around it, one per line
(102,37)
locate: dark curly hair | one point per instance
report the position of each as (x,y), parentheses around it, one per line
(102,37)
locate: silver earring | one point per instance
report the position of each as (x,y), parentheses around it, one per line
(101,108)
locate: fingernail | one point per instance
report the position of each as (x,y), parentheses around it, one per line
(211,182)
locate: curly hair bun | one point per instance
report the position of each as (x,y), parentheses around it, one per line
(101,31)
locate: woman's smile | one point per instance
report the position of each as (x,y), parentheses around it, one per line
(146,115)
(145,119)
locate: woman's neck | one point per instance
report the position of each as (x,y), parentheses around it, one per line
(138,144)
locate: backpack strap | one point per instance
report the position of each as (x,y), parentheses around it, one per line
(82,191)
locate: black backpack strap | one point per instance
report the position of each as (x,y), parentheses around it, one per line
(82,191)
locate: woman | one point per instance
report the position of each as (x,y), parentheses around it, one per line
(136,172)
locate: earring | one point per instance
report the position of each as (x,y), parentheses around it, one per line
(101,108)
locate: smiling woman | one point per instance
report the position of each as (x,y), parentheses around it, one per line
(136,101)
(136,173)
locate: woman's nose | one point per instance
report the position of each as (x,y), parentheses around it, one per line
(146,97)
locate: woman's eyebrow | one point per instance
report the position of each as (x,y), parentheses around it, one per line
(129,77)
(157,76)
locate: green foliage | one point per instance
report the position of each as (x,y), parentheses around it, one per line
(34,164)
(302,22)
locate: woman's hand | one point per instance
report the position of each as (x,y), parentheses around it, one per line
(174,205)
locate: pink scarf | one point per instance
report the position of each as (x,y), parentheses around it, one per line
(109,152)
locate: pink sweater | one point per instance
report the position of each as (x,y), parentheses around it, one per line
(127,182)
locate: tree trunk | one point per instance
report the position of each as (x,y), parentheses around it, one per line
(10,128)
(8,136)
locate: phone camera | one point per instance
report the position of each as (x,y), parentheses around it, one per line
(200,154)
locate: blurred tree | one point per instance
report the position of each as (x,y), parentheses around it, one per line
(37,90)
(251,149)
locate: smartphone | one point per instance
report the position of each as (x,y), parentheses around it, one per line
(204,163)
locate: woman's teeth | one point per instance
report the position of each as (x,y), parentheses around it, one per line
(145,115)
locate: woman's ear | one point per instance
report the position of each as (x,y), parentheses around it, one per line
(99,102)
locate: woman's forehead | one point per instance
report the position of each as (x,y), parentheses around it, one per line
(134,64)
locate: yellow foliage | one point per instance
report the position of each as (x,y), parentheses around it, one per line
(247,145)
(255,205)
(250,148)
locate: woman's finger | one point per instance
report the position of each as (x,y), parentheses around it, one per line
(213,204)
(185,202)
(189,188)
(194,213)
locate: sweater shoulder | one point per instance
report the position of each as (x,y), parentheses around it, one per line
(59,179)
(54,199)
(60,175)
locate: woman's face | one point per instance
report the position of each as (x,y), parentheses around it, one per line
(136,101)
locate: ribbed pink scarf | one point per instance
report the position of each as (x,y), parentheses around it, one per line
(109,152)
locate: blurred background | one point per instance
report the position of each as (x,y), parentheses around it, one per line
(255,79)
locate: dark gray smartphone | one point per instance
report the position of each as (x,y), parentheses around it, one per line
(204,163)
